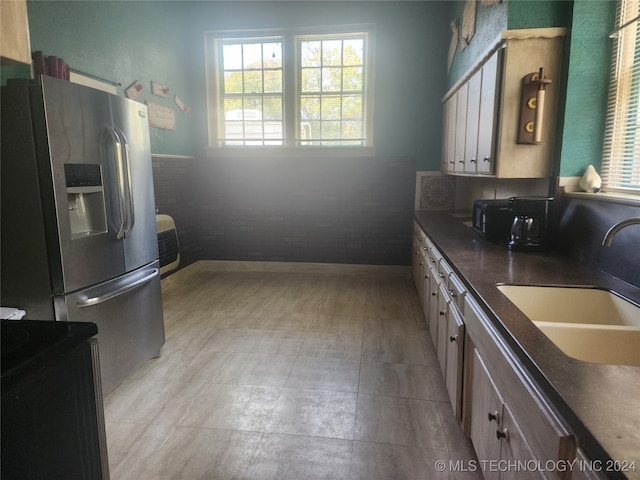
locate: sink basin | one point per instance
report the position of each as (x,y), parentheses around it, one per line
(572,305)
(589,324)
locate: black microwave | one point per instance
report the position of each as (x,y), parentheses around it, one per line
(493,219)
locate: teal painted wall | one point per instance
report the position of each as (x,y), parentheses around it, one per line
(410,61)
(18,70)
(587,86)
(490,22)
(538,13)
(587,63)
(164,41)
(123,42)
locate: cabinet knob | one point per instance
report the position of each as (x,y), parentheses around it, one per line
(421,263)
(453,338)
(473,160)
(441,275)
(452,293)
(434,294)
(461,161)
(432,260)
(493,416)
(500,434)
(486,159)
(442,313)
(452,162)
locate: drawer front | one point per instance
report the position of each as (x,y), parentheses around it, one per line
(457,291)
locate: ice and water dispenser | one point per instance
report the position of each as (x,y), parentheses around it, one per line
(85,197)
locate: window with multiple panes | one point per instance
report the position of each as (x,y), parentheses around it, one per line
(331,95)
(290,90)
(621,160)
(250,92)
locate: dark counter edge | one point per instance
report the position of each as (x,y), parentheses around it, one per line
(587,441)
(76,333)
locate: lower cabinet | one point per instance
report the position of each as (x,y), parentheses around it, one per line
(433,313)
(487,416)
(516,454)
(444,306)
(415,259)
(500,445)
(585,469)
(420,269)
(444,292)
(455,358)
(52,415)
(512,425)
(516,432)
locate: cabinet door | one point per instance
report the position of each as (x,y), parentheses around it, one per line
(415,259)
(52,423)
(473,123)
(426,278)
(486,416)
(444,301)
(444,160)
(516,454)
(434,282)
(430,290)
(585,469)
(455,351)
(486,127)
(15,45)
(461,128)
(422,265)
(450,112)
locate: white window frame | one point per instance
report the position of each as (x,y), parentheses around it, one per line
(621,153)
(291,93)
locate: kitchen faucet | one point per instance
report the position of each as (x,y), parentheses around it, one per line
(608,237)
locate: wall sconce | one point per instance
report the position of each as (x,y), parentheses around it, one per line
(532,107)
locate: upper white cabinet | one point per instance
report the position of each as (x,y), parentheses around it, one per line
(487,115)
(481,113)
(14,32)
(461,129)
(471,146)
(449,133)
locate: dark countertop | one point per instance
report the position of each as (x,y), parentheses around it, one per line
(29,344)
(601,403)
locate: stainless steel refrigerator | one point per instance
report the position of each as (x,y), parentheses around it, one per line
(79,240)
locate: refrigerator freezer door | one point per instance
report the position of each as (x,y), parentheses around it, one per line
(140,237)
(77,164)
(128,313)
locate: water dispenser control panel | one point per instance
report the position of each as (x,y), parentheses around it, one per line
(85,198)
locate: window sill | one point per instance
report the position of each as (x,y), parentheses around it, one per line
(284,152)
(621,198)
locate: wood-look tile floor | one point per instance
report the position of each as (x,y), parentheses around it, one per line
(327,374)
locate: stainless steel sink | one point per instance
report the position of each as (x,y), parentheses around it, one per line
(586,323)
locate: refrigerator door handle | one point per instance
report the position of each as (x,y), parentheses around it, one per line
(120,179)
(131,219)
(89,302)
